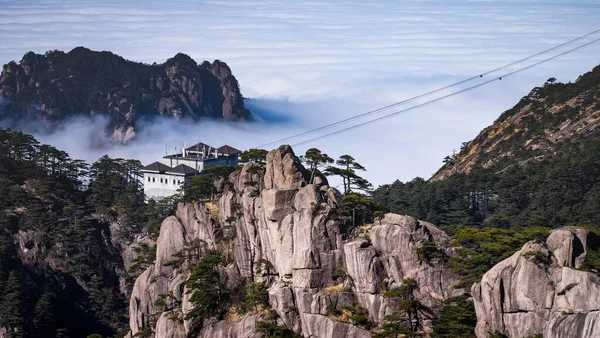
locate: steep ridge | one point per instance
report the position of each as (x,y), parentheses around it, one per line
(59,86)
(545,120)
(285,239)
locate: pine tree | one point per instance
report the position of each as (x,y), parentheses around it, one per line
(207,288)
(346,169)
(44,316)
(13,306)
(316,160)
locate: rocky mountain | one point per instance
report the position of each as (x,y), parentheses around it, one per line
(269,254)
(285,239)
(536,128)
(58,86)
(323,282)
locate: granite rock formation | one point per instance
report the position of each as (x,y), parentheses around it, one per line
(58,86)
(286,224)
(540,290)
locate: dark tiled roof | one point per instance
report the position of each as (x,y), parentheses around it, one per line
(198,147)
(157,166)
(183,169)
(228,150)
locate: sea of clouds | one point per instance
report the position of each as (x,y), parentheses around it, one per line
(305,64)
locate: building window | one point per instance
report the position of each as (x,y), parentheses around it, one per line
(161,180)
(148,178)
(173,181)
(153,180)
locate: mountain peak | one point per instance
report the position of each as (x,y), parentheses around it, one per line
(535,128)
(57,86)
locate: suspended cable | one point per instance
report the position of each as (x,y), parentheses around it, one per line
(378,110)
(449,95)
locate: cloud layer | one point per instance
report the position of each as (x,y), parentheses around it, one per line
(308,63)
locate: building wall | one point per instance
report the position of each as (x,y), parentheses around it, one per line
(173,162)
(201,165)
(157,186)
(225,160)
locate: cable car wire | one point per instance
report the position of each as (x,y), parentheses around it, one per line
(378,110)
(449,95)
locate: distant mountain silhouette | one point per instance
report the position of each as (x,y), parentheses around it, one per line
(58,86)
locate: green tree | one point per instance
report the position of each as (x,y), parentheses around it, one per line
(272,330)
(429,251)
(114,187)
(220,171)
(480,249)
(199,188)
(457,320)
(256,295)
(316,161)
(356,209)
(406,319)
(253,156)
(207,289)
(346,169)
(13,306)
(44,316)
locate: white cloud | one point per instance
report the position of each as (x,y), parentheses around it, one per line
(326,60)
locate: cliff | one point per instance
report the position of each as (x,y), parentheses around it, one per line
(316,274)
(542,290)
(271,255)
(285,239)
(58,86)
(541,125)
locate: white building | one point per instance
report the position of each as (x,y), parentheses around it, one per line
(201,156)
(165,179)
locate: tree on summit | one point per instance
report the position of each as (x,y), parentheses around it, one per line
(315,160)
(346,169)
(253,156)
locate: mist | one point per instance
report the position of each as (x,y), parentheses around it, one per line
(88,138)
(302,71)
(404,147)
(400,148)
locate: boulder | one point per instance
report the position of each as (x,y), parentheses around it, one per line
(284,170)
(538,290)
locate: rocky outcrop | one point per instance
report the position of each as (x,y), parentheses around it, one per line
(539,290)
(390,256)
(51,87)
(287,238)
(231,329)
(191,225)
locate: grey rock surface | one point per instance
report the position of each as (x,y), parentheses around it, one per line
(538,290)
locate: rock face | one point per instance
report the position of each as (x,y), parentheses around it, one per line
(58,86)
(539,290)
(286,239)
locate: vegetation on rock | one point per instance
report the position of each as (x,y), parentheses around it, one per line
(60,265)
(57,86)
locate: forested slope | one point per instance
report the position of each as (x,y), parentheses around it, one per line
(535,128)
(58,87)
(61,268)
(537,165)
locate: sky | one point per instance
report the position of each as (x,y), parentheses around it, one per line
(304,64)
